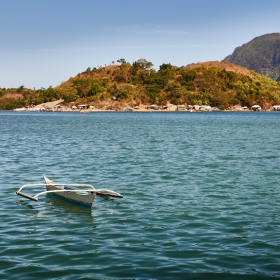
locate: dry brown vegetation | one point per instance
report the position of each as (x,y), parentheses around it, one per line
(223,66)
(115,87)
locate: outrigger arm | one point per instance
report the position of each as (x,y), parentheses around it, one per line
(102,192)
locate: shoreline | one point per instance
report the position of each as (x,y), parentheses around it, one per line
(134,111)
(59,106)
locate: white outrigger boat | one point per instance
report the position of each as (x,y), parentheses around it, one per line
(69,192)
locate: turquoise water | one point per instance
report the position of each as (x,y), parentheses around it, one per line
(201,196)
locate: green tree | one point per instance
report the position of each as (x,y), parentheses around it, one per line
(96,87)
(69,94)
(20,89)
(144,64)
(49,94)
(164,67)
(121,61)
(83,86)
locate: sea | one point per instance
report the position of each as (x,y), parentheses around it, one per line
(201,195)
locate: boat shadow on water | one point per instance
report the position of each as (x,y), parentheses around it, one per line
(63,206)
(58,205)
(52,205)
(55,205)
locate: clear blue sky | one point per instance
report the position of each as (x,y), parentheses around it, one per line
(45,42)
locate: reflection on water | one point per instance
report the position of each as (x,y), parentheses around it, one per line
(51,205)
(59,205)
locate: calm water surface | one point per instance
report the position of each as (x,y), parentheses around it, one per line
(201,196)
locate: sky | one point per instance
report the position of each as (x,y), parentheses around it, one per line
(45,42)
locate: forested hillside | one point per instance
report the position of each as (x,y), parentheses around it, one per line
(262,55)
(218,84)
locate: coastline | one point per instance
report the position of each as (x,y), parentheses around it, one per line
(137,111)
(59,106)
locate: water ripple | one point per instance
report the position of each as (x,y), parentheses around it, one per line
(201,196)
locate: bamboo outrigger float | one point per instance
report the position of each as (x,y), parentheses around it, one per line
(69,192)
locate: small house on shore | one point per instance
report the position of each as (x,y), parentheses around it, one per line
(276,108)
(256,108)
(154,107)
(83,106)
(181,107)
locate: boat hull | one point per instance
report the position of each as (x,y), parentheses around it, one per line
(79,197)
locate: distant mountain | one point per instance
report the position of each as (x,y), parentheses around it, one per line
(262,55)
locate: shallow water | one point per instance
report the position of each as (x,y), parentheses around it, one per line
(201,196)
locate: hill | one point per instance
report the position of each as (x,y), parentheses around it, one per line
(116,87)
(262,55)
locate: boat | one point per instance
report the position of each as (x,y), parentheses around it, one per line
(81,194)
